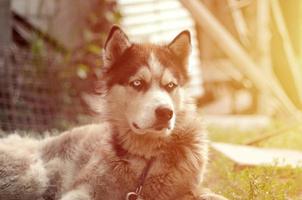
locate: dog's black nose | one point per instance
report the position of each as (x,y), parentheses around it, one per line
(163,114)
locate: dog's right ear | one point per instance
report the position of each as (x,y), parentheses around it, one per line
(115,45)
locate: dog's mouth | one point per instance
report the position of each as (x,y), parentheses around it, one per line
(135,125)
(160,127)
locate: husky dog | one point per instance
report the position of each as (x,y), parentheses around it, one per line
(150,144)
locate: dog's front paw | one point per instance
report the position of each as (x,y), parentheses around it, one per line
(79,194)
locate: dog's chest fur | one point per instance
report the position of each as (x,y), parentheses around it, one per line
(112,168)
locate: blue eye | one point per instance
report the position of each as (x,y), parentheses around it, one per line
(170,86)
(137,84)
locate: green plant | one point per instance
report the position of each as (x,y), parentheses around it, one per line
(260,182)
(254,183)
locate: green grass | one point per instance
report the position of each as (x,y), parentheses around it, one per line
(255,183)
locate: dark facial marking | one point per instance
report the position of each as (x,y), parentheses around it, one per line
(142,86)
(173,63)
(137,56)
(127,65)
(170,86)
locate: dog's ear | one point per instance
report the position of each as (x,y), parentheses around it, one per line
(181,46)
(116,44)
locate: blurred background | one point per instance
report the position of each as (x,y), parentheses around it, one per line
(245,67)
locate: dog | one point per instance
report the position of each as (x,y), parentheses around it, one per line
(149,143)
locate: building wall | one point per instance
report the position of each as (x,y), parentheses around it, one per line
(62,19)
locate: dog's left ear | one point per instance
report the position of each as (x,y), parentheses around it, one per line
(181,46)
(116,44)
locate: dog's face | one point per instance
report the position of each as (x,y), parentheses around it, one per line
(145,81)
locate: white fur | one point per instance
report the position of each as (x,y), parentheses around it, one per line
(168,77)
(155,66)
(78,194)
(142,74)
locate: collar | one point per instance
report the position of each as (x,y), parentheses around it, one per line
(121,152)
(141,181)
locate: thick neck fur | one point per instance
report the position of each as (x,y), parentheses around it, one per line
(148,145)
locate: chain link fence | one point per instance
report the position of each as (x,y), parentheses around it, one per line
(33,94)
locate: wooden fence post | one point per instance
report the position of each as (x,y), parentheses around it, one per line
(228,44)
(294,66)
